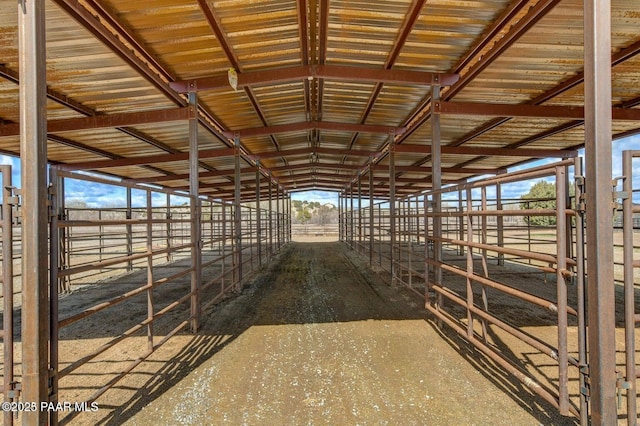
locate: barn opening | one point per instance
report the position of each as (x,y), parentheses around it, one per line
(160,147)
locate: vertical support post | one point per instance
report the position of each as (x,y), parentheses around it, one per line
(598,128)
(238,214)
(360,246)
(392,207)
(7,288)
(195,229)
(223,272)
(289,217)
(371,237)
(351,217)
(561,289)
(500,222)
(129,230)
(436,184)
(258,215)
(270,216)
(278,227)
(460,223)
(168,228)
(150,309)
(469,270)
(340,216)
(33,150)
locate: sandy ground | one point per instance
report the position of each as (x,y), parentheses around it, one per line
(318,338)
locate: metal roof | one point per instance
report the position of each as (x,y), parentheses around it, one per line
(325,87)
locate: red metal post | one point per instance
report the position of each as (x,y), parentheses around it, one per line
(33,150)
(600,291)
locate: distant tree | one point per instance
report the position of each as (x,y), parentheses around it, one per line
(303,215)
(325,214)
(542,195)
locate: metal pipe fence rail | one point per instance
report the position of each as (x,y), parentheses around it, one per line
(133,261)
(628,382)
(464,260)
(9,388)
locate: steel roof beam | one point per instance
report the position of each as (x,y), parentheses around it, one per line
(92,23)
(333,72)
(459,170)
(312,125)
(139,161)
(185,176)
(527,110)
(107,121)
(476,150)
(307,151)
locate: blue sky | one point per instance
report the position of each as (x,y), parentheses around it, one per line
(95,194)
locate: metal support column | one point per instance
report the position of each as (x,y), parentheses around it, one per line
(500,223)
(351,217)
(270,216)
(370,211)
(436,184)
(195,228)
(360,246)
(600,291)
(33,151)
(129,216)
(392,207)
(278,228)
(258,215)
(339,216)
(238,215)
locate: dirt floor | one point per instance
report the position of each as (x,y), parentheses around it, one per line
(317,337)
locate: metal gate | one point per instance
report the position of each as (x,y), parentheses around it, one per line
(628,376)
(10,388)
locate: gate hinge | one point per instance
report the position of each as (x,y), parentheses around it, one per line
(618,196)
(586,389)
(581,206)
(50,194)
(621,385)
(14,390)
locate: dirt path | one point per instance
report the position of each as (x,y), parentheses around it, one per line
(318,338)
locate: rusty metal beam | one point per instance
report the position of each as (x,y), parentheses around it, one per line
(107,121)
(117,44)
(185,176)
(527,110)
(312,125)
(307,151)
(152,159)
(534,15)
(456,170)
(477,150)
(331,72)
